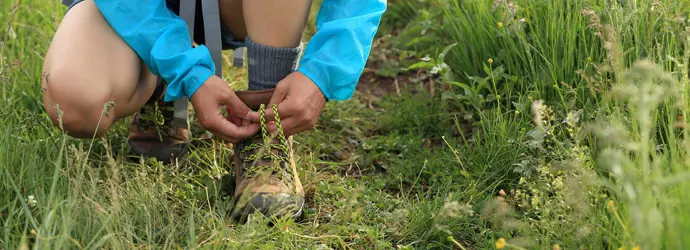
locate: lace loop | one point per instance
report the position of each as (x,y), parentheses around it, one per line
(277,153)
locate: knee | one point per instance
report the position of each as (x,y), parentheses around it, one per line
(75,103)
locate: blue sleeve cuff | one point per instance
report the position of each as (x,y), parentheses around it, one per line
(195,77)
(322,81)
(337,54)
(185,72)
(161,40)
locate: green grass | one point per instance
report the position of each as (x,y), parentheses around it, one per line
(596,64)
(601,163)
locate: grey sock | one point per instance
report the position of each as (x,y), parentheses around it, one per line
(268,65)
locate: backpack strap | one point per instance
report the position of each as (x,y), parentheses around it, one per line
(212,32)
(181,106)
(212,40)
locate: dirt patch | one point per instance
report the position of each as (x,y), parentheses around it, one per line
(372,85)
(372,88)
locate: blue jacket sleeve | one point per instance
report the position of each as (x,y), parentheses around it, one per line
(338,51)
(161,39)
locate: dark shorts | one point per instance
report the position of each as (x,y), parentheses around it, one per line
(229,41)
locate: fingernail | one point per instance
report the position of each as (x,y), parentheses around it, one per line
(249,116)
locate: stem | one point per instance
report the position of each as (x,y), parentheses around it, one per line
(457,243)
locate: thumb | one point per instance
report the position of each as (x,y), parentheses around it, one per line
(238,108)
(277,97)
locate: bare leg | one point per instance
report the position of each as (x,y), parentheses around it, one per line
(231,14)
(275,23)
(88,65)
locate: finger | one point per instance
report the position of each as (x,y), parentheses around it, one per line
(286,109)
(278,94)
(229,130)
(252,116)
(277,98)
(245,131)
(239,121)
(246,122)
(290,126)
(238,108)
(235,120)
(226,139)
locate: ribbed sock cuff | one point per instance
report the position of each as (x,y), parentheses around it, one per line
(268,65)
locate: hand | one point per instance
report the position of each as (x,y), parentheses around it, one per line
(208,101)
(300,103)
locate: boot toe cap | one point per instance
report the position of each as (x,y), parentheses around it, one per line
(278,205)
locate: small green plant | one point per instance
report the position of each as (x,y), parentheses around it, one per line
(645,173)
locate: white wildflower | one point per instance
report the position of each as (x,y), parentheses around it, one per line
(31,200)
(438,68)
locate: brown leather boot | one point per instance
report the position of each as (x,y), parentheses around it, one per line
(266,175)
(154,132)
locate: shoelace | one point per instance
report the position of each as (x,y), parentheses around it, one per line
(266,149)
(154,116)
(155,113)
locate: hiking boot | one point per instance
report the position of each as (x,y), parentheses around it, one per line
(154,132)
(265,171)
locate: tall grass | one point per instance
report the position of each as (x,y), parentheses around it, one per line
(577,55)
(543,44)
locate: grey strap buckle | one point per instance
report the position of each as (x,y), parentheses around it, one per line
(238,57)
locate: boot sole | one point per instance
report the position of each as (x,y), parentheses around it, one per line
(240,215)
(240,218)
